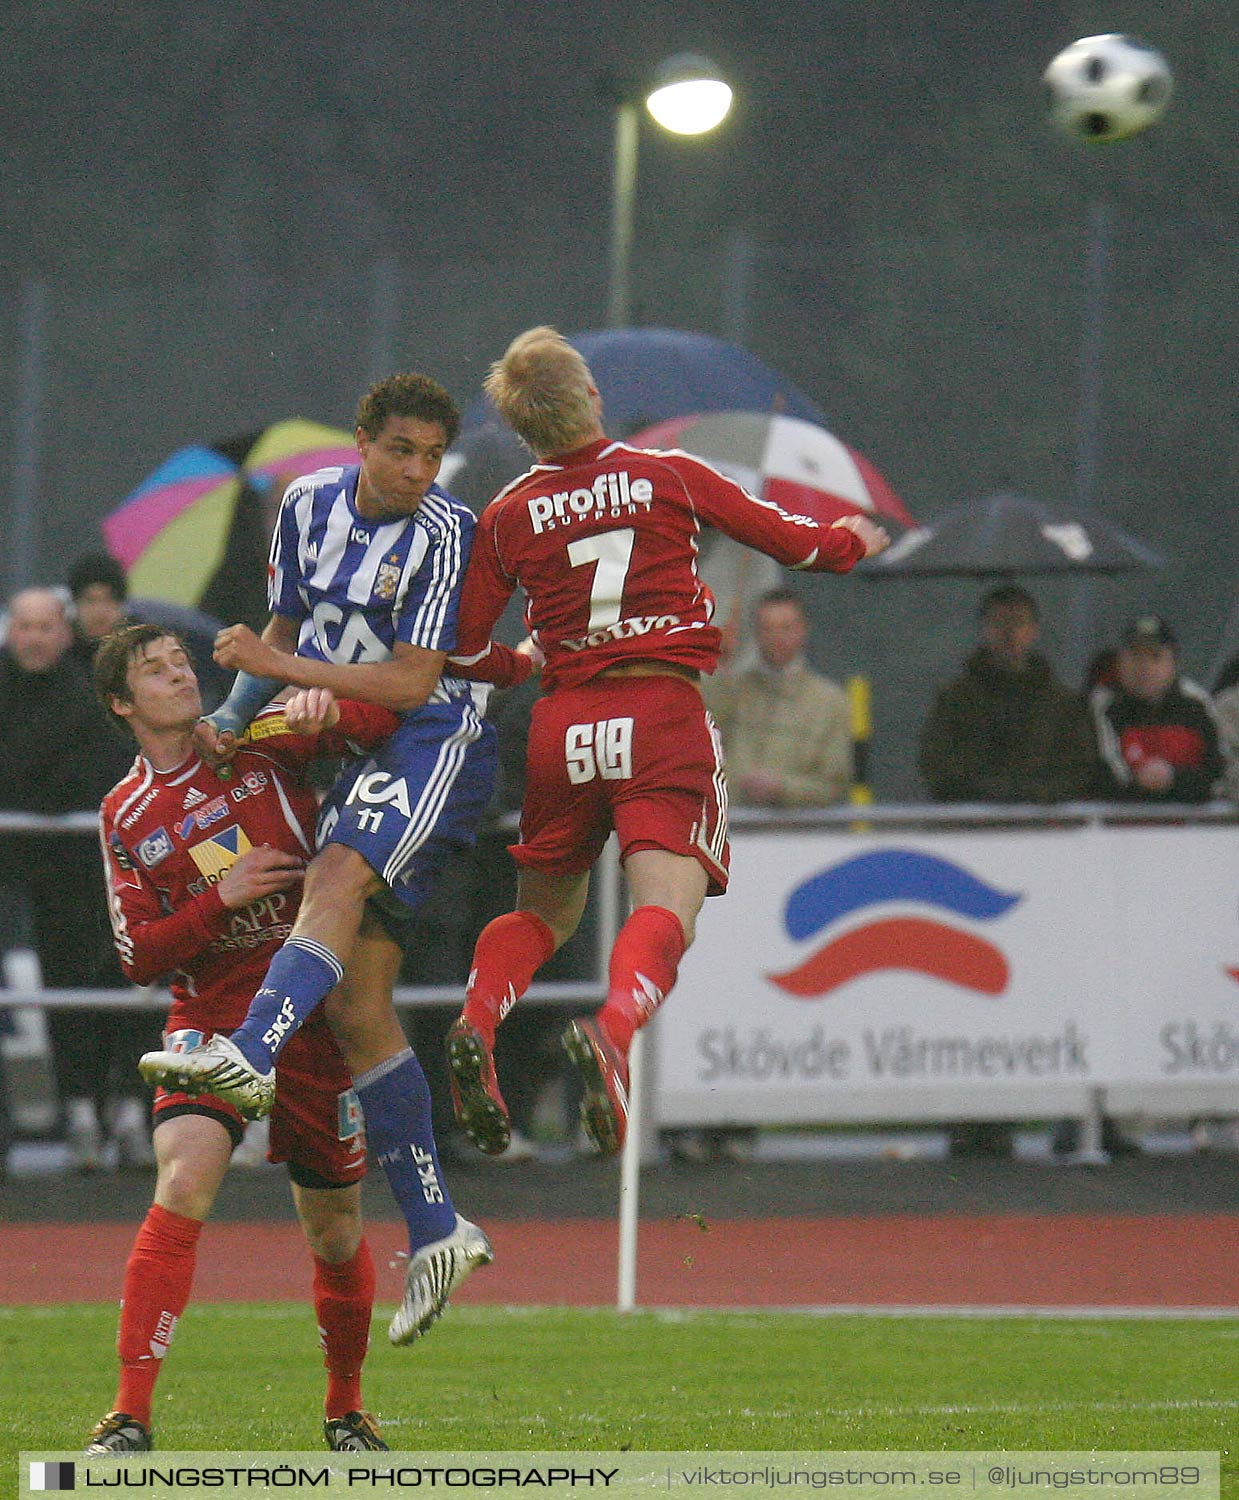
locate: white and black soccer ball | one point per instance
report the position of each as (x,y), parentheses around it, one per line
(1107,88)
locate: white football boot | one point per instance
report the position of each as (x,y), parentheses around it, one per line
(217,1067)
(435,1271)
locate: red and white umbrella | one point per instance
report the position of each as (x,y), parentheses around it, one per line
(796,464)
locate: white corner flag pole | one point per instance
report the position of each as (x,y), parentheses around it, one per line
(630,1176)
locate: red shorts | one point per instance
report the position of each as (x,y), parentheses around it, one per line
(639,755)
(316,1124)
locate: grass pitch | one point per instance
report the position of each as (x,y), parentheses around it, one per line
(249,1376)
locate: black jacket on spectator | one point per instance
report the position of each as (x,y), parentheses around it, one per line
(994,735)
(1180,728)
(57,752)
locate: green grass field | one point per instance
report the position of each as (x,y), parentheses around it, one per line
(249,1377)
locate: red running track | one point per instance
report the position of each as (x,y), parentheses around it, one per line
(1062,1260)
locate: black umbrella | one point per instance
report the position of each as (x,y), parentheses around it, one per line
(1008,534)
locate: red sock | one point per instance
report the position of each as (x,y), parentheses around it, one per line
(509,953)
(643,967)
(158,1276)
(344,1301)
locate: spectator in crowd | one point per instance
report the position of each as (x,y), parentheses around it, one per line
(1226,707)
(101,603)
(58,755)
(1102,670)
(1159,740)
(98,588)
(1158,733)
(1006,730)
(785,728)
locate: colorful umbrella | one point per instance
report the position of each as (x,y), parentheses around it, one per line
(172,533)
(295,447)
(796,464)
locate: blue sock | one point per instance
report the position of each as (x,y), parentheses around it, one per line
(395,1100)
(300,975)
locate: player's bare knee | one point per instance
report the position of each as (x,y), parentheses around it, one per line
(336,1242)
(332,1227)
(562,924)
(183,1189)
(367,1033)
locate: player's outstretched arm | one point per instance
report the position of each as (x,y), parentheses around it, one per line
(401,683)
(796,541)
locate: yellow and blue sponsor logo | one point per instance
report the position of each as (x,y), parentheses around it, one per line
(217,855)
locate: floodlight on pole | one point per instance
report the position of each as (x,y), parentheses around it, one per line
(687,96)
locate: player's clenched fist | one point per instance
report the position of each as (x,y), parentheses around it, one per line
(876,538)
(216,747)
(237,647)
(260,872)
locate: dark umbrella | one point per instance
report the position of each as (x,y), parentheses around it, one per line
(482,461)
(1008,534)
(648,374)
(644,375)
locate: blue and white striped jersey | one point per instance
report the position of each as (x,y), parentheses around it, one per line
(358,586)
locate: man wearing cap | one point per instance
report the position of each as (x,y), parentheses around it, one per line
(1157,732)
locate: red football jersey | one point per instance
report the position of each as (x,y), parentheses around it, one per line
(604,543)
(170,836)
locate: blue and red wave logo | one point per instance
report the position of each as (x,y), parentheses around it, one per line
(922,945)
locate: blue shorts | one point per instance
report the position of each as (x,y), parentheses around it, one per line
(416,801)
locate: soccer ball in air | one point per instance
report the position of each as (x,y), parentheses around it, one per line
(1107,88)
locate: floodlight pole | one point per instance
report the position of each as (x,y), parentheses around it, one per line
(623,212)
(22,560)
(1098,258)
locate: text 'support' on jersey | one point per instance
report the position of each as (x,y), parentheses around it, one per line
(604,543)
